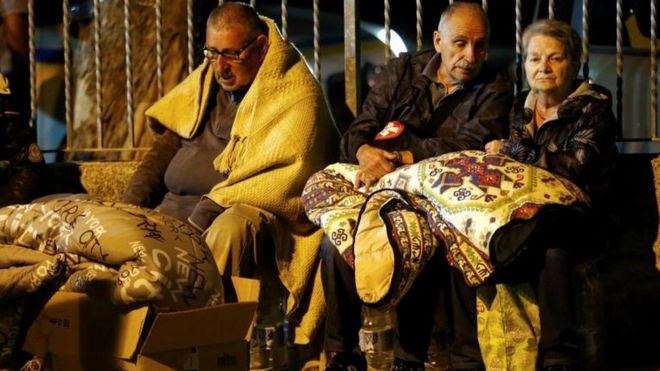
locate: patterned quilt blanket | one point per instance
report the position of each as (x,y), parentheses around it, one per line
(122,253)
(475,204)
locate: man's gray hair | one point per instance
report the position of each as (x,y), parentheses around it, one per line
(456,5)
(562,32)
(236,13)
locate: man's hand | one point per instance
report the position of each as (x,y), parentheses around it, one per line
(494,146)
(374,164)
(406,158)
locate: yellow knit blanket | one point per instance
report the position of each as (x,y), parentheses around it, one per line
(282,134)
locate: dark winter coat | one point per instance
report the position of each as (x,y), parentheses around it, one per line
(466,119)
(578,144)
(21,161)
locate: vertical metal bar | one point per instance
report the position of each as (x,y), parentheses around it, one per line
(33,64)
(68,112)
(352,55)
(189,33)
(253,3)
(518,85)
(585,39)
(129,72)
(537,10)
(551,9)
(654,77)
(285,20)
(220,2)
(484,4)
(97,74)
(619,66)
(418,15)
(451,1)
(159,47)
(317,41)
(388,31)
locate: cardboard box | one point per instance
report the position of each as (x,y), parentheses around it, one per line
(76,332)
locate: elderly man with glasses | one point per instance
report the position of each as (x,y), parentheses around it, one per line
(236,141)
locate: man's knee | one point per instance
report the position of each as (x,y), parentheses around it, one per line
(331,258)
(558,257)
(328,250)
(236,234)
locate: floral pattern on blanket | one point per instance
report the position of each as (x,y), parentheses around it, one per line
(465,197)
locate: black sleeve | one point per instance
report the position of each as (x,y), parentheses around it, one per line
(21,161)
(520,145)
(147,186)
(589,149)
(374,113)
(204,214)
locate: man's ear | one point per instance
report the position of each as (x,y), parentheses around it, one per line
(437,38)
(263,46)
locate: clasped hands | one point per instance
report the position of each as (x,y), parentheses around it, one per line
(376,163)
(494,146)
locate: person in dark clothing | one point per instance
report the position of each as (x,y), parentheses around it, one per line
(566,126)
(21,162)
(14,53)
(422,105)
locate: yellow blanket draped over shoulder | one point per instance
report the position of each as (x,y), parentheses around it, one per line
(282,134)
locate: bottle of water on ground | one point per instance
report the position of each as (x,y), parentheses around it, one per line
(268,346)
(438,355)
(377,338)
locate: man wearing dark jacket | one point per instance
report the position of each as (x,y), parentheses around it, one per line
(423,105)
(21,161)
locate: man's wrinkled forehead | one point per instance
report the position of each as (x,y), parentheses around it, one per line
(235,28)
(231,34)
(465,19)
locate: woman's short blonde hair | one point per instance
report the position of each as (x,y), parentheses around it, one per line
(562,32)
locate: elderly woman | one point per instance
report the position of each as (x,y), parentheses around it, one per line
(566,126)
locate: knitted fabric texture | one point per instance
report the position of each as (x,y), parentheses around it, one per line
(278,139)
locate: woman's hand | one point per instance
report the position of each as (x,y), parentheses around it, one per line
(494,146)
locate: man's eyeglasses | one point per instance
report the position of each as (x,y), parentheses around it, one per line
(233,55)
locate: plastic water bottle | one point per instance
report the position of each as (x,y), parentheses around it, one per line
(268,346)
(438,351)
(377,338)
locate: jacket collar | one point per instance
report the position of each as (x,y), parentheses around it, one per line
(573,105)
(428,61)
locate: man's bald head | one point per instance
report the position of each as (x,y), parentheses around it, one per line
(232,15)
(471,9)
(237,43)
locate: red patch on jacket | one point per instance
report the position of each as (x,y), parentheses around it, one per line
(392,130)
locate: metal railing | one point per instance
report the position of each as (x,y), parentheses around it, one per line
(351,48)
